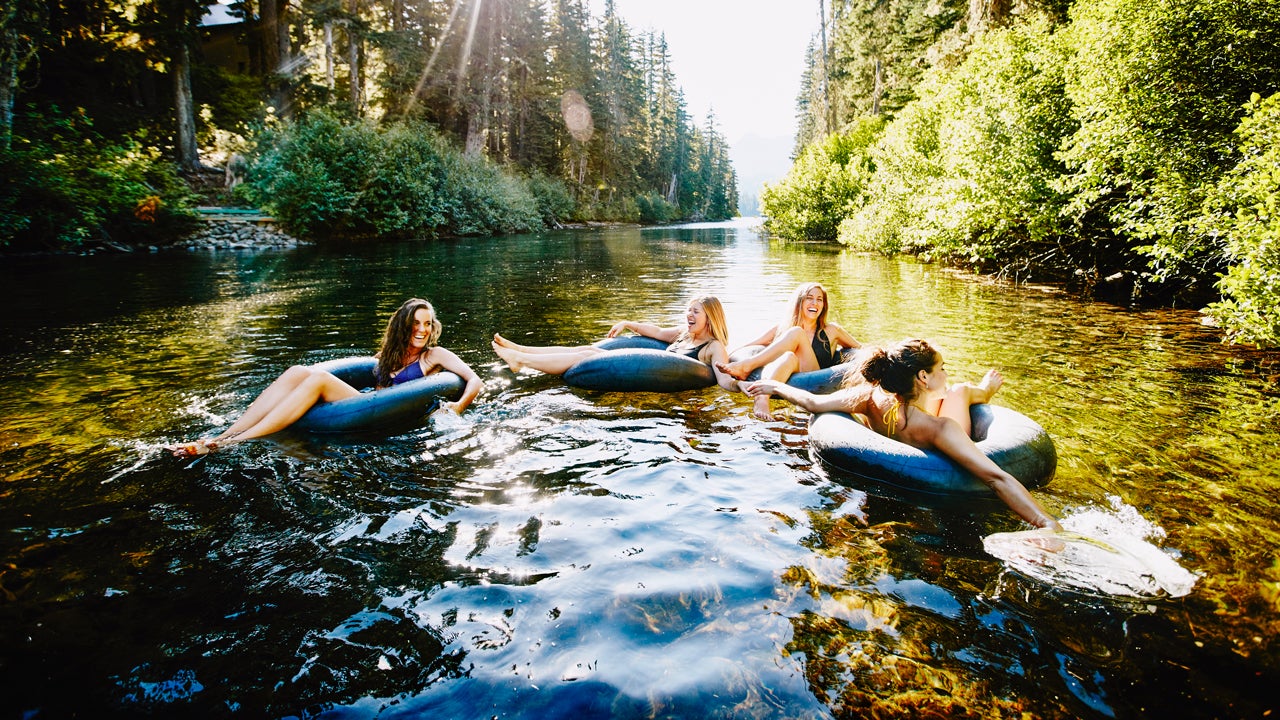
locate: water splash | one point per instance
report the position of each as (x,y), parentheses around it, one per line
(1108,552)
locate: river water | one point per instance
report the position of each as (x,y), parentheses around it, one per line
(563,553)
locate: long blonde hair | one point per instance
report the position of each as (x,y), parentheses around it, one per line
(715,318)
(798,303)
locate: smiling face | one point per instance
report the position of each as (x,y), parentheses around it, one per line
(810,309)
(423,322)
(696,318)
(813,303)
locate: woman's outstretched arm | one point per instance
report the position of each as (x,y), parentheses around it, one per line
(646,329)
(839,401)
(951,440)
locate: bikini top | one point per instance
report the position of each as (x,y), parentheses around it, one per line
(691,353)
(411,372)
(824,350)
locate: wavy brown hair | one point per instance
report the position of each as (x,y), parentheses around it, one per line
(394,353)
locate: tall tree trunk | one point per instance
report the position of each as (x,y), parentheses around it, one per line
(986,14)
(17,21)
(276,55)
(479,110)
(397,15)
(270,19)
(328,55)
(826,102)
(877,90)
(353,61)
(8,85)
(184,108)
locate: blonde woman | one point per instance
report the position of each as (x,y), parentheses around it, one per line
(703,337)
(807,341)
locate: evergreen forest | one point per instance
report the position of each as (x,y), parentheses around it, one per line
(1128,149)
(348,119)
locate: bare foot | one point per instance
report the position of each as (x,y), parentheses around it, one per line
(499,340)
(509,355)
(991,382)
(733,370)
(193,449)
(760,409)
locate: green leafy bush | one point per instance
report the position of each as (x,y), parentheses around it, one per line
(654,209)
(73,189)
(1157,87)
(1243,211)
(826,184)
(555,201)
(965,173)
(325,178)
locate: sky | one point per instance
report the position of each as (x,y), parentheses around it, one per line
(741,58)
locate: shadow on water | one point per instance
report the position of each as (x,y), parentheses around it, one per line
(558,552)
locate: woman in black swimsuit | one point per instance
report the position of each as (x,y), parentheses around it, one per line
(409,351)
(703,338)
(806,342)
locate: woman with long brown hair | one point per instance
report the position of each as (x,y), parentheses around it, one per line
(409,351)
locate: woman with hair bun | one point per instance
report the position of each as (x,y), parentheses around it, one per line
(901,392)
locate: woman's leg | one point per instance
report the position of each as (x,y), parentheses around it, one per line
(288,400)
(552,364)
(780,369)
(959,397)
(793,341)
(267,399)
(498,340)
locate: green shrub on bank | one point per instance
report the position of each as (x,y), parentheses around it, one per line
(1244,210)
(1158,87)
(74,190)
(966,172)
(555,201)
(827,183)
(655,209)
(324,178)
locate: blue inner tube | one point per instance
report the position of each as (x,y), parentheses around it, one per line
(397,406)
(1015,442)
(818,382)
(639,364)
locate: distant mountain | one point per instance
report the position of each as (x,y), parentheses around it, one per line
(758,160)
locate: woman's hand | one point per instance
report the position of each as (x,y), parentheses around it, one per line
(619,328)
(760,387)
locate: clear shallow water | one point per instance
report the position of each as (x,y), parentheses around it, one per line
(563,553)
